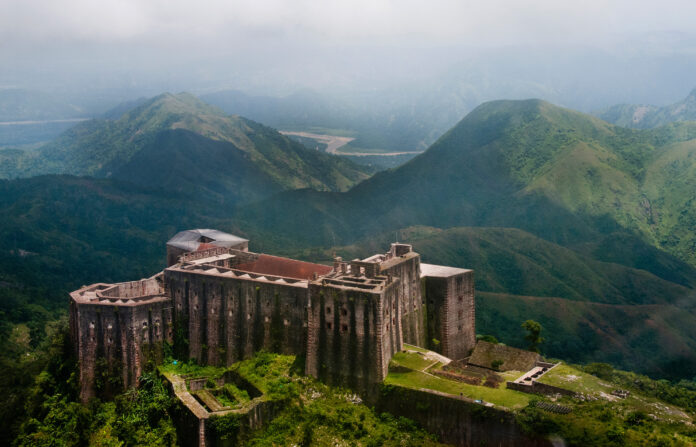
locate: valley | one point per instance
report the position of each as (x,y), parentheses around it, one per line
(333,143)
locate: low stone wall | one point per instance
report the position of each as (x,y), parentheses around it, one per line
(456,420)
(225,430)
(539,388)
(199,384)
(197,427)
(471,380)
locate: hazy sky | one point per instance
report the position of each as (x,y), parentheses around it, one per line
(47,23)
(281,45)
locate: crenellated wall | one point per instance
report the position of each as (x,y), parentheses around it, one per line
(406,267)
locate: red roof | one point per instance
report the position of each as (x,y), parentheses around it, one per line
(289,268)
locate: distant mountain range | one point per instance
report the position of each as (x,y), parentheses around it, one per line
(643,116)
(178,142)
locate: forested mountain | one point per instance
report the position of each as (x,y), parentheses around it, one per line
(562,175)
(171,139)
(644,116)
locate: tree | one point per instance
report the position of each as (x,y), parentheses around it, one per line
(533,336)
(488,338)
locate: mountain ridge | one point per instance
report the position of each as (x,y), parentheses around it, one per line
(559,174)
(103,147)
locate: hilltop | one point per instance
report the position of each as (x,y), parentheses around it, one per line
(177,142)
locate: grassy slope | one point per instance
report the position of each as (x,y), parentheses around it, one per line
(641,418)
(513,261)
(189,164)
(314,414)
(657,340)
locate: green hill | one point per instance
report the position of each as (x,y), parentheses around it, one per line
(643,116)
(111,148)
(561,175)
(508,260)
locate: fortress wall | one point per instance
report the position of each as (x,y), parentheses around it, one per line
(117,342)
(460,336)
(434,293)
(410,298)
(173,254)
(391,330)
(450,314)
(345,337)
(226,319)
(133,289)
(457,420)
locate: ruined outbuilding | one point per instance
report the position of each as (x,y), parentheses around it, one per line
(218,303)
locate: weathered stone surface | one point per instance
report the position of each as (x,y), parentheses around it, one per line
(449,297)
(512,359)
(457,420)
(219,304)
(116,330)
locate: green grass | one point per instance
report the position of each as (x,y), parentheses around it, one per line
(192,370)
(510,375)
(411,360)
(570,378)
(565,376)
(408,347)
(498,396)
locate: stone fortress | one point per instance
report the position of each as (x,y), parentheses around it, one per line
(217,303)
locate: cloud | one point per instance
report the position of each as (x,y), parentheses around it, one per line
(498,22)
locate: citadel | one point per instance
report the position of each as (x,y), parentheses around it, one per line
(217,303)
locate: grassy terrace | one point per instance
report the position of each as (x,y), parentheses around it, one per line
(408,347)
(313,413)
(573,379)
(411,361)
(191,370)
(408,370)
(269,373)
